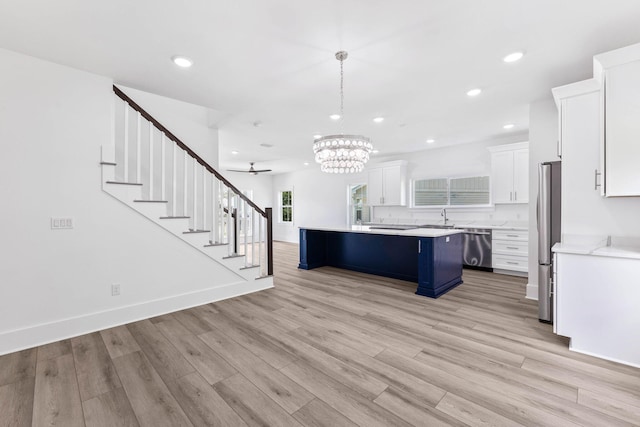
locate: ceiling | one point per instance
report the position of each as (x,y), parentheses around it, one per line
(269,65)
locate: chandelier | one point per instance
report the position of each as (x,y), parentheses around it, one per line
(342,153)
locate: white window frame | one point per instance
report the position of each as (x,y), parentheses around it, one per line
(281,206)
(449,205)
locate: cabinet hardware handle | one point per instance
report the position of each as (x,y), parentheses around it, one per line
(596,175)
(510,196)
(512,235)
(559,149)
(419,246)
(512,263)
(512,247)
(515,196)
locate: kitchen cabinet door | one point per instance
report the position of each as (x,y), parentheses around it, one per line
(375,187)
(387,184)
(392,178)
(521,176)
(622,131)
(510,173)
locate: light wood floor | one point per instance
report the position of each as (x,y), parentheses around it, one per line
(326,347)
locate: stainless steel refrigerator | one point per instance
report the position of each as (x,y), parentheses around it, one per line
(548,234)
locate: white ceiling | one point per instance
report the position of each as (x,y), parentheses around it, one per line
(272,61)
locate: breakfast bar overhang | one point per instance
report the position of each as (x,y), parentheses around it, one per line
(432,258)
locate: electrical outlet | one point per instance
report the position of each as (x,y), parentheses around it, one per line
(115,289)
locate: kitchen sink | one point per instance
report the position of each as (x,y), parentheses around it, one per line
(440,226)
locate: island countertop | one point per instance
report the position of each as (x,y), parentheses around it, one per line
(416,232)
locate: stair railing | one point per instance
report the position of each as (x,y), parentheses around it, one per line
(148,153)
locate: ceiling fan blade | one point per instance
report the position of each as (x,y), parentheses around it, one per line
(237,170)
(261,170)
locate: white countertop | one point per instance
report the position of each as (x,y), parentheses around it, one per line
(618,248)
(494,225)
(416,232)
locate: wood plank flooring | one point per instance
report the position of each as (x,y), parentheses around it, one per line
(326,347)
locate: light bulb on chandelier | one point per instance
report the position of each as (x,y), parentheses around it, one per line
(342,153)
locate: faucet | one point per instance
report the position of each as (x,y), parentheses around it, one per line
(444,214)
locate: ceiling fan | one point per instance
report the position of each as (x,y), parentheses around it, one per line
(251,170)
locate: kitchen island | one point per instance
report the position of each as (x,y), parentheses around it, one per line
(432,258)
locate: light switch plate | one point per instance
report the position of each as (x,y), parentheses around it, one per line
(61,223)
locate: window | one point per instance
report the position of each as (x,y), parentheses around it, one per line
(358,204)
(286,206)
(469,191)
(431,192)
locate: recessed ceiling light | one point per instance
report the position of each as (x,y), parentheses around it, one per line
(234,152)
(474,92)
(335,117)
(375,151)
(513,57)
(182,61)
(508,126)
(265,145)
(317,136)
(430,141)
(306,163)
(379,119)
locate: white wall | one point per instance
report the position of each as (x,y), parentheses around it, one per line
(56,284)
(319,199)
(543,138)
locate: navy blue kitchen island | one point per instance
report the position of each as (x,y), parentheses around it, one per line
(430,257)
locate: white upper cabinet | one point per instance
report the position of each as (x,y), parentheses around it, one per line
(510,173)
(387,185)
(579,118)
(619,73)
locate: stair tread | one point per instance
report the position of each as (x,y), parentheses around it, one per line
(248,267)
(215,244)
(123,183)
(175,217)
(196,231)
(233,256)
(151,201)
(109,163)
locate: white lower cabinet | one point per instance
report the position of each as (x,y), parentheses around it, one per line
(510,251)
(596,305)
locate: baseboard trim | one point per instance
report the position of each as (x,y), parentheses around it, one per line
(37,335)
(532,291)
(599,356)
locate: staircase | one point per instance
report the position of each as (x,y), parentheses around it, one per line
(150,170)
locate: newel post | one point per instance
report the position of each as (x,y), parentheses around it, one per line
(269,212)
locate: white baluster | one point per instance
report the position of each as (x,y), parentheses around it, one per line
(186,185)
(151,162)
(229,222)
(261,220)
(126,143)
(195,194)
(138,148)
(253,237)
(214,210)
(204,199)
(174,181)
(163,155)
(245,229)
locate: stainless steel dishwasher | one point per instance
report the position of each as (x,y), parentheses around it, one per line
(476,243)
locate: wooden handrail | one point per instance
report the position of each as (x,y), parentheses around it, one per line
(182,145)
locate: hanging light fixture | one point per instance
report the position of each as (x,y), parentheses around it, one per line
(342,153)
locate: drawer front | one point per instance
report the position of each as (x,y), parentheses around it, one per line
(520,235)
(507,262)
(507,247)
